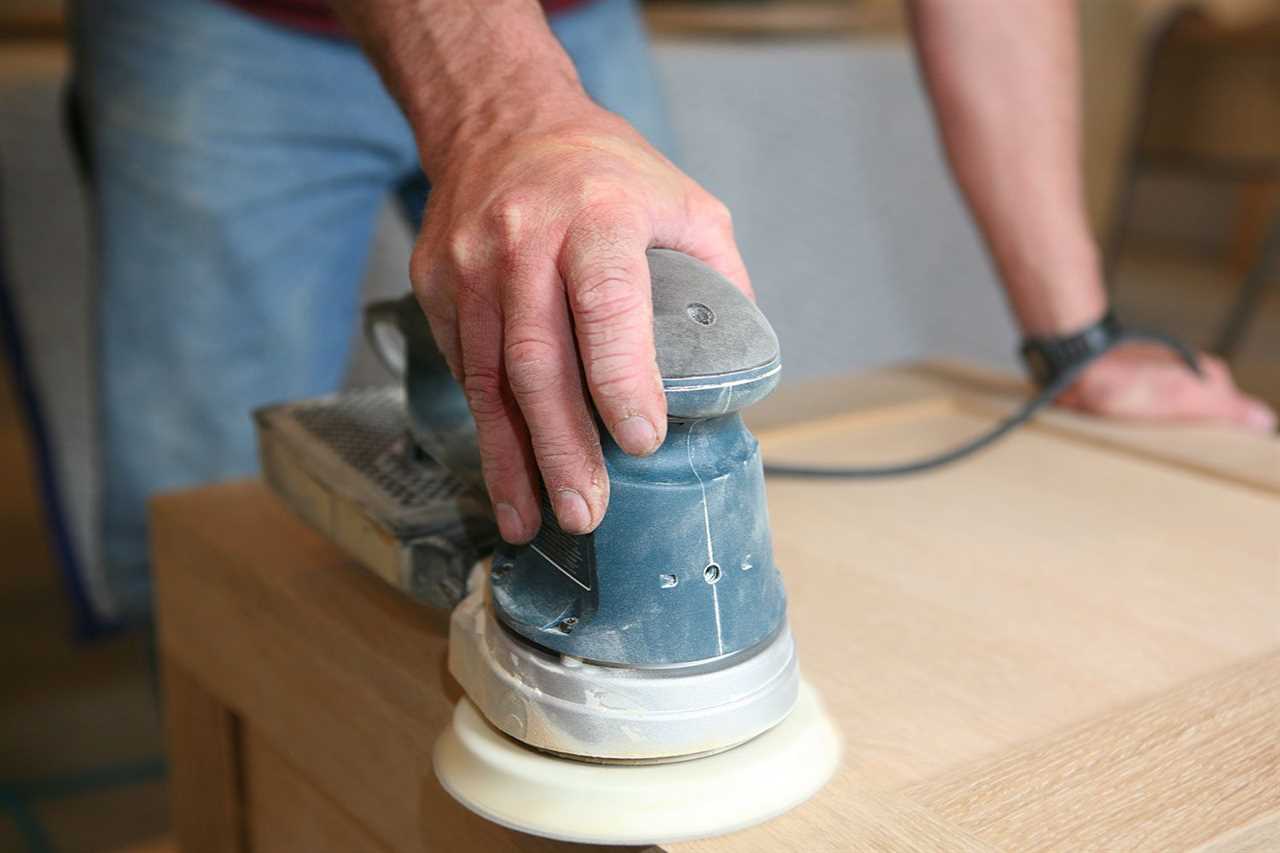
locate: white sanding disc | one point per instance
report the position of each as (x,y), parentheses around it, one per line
(568,800)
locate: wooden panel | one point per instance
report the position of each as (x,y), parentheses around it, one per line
(987,637)
(287,813)
(951,616)
(862,817)
(1218,451)
(1169,773)
(344,677)
(204,777)
(1227,452)
(1261,836)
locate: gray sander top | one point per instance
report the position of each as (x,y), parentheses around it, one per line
(703,326)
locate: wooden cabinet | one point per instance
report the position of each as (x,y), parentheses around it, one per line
(1069,642)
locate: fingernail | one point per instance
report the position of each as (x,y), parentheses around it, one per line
(1259,416)
(510,524)
(636,435)
(572,512)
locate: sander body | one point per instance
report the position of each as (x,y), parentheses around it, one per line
(638,683)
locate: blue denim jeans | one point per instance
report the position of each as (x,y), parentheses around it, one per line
(238,170)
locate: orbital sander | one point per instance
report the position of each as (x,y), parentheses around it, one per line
(639,683)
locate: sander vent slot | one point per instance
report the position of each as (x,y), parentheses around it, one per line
(347,465)
(368,430)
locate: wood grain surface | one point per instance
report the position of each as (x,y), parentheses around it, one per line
(290,814)
(1069,642)
(207,805)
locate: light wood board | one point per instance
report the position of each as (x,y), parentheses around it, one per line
(1070,642)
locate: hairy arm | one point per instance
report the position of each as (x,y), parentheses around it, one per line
(464,69)
(531,264)
(1004,79)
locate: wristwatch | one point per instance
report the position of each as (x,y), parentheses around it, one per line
(1048,357)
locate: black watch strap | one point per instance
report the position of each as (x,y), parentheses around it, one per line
(1047,358)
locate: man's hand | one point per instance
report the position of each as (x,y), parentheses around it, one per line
(1004,78)
(1147,382)
(531,263)
(531,270)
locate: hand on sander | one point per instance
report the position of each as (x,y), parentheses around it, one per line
(639,683)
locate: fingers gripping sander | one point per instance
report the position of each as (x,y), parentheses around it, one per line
(661,637)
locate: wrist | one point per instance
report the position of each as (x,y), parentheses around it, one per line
(481,121)
(1063,317)
(1047,357)
(1061,298)
(456,67)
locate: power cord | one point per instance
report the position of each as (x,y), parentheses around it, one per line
(1049,393)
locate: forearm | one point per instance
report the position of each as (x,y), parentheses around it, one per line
(1004,79)
(463,69)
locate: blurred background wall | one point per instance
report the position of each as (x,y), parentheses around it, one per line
(808,119)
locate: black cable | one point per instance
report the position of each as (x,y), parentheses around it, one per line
(1028,410)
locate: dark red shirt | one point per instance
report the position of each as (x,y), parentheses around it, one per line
(316,17)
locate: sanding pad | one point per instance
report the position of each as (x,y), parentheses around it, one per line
(512,785)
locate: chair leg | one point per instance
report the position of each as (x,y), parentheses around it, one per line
(1258,202)
(1264,271)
